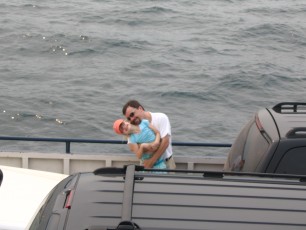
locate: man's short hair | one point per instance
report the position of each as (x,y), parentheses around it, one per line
(131,103)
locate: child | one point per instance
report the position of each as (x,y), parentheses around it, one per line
(143,139)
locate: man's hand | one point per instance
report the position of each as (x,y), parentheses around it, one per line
(163,145)
(148,164)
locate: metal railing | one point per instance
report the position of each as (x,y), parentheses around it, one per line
(68,142)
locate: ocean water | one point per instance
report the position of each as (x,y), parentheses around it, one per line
(68,67)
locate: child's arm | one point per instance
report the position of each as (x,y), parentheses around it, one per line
(139,149)
(153,146)
(146,148)
(133,147)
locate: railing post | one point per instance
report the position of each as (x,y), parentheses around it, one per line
(67,146)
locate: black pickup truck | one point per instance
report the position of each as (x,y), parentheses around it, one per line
(273,141)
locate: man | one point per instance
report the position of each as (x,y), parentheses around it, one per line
(135,112)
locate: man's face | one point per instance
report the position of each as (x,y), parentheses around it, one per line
(132,114)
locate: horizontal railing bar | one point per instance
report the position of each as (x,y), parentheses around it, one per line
(196,144)
(61,140)
(105,141)
(68,141)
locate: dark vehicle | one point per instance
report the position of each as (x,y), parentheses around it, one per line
(1,177)
(136,198)
(273,141)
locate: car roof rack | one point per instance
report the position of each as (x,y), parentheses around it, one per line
(290,107)
(127,225)
(127,203)
(126,222)
(123,225)
(132,173)
(129,171)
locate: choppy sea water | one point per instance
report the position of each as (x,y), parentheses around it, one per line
(67,67)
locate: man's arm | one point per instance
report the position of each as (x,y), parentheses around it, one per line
(153,146)
(159,152)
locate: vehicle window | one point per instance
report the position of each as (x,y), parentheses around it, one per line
(293,162)
(255,148)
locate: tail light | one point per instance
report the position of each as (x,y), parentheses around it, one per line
(258,124)
(69,197)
